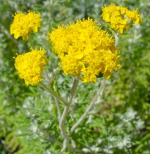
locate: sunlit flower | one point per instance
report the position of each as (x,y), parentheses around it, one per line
(25,24)
(120,18)
(84,49)
(30,65)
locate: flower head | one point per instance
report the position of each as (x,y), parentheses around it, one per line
(25,24)
(120,18)
(30,65)
(84,49)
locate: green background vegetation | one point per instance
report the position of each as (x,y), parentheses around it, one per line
(120,120)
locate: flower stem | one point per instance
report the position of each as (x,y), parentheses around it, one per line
(54,94)
(58,108)
(64,115)
(116,39)
(89,107)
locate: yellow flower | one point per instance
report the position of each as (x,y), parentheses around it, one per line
(134,16)
(84,49)
(120,18)
(25,24)
(30,65)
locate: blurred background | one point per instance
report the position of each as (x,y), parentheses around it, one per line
(120,121)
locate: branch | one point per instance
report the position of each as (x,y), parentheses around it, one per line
(58,108)
(88,108)
(116,39)
(65,112)
(56,102)
(54,94)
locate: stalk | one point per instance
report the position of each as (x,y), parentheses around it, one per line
(54,94)
(89,107)
(64,115)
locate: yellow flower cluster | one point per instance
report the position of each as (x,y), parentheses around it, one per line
(84,49)
(120,18)
(30,65)
(25,24)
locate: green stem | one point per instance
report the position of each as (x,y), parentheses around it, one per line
(116,39)
(64,115)
(54,94)
(89,107)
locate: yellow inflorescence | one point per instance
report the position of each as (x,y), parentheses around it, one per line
(30,65)
(25,24)
(84,49)
(120,18)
